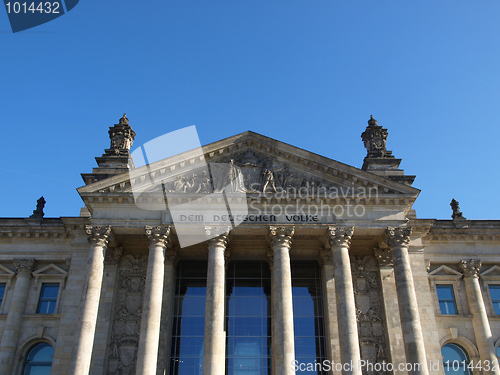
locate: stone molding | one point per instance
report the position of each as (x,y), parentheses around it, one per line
(398,236)
(340,236)
(99,235)
(24,266)
(470,268)
(383,257)
(158,236)
(462,237)
(281,236)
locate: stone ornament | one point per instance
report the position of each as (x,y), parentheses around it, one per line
(172,255)
(270,257)
(470,268)
(122,137)
(457,214)
(383,257)
(24,265)
(113,255)
(281,236)
(99,235)
(398,236)
(375,138)
(38,212)
(340,236)
(325,256)
(158,236)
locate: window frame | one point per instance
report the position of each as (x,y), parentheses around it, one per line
(6,276)
(444,275)
(28,352)
(56,307)
(49,274)
(491,276)
(454,297)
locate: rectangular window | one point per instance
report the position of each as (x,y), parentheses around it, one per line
(48,299)
(495,297)
(2,292)
(446,299)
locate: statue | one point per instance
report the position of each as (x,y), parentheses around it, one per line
(230,179)
(456,210)
(268,180)
(38,212)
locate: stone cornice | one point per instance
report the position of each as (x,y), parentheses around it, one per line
(450,236)
(471,268)
(99,235)
(398,236)
(281,236)
(158,236)
(339,236)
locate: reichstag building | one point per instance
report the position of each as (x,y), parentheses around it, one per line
(247,256)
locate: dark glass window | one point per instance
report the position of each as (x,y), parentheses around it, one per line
(248,318)
(455,360)
(48,299)
(308,317)
(2,292)
(189,318)
(446,299)
(495,297)
(39,360)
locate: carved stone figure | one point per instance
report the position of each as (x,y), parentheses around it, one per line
(38,212)
(374,138)
(456,210)
(229,178)
(268,180)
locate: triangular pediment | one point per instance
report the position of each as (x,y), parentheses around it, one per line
(492,272)
(445,271)
(50,272)
(253,163)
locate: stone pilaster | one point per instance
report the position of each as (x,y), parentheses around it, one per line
(339,240)
(149,337)
(283,347)
(398,240)
(13,324)
(99,237)
(391,309)
(215,339)
(482,329)
(329,305)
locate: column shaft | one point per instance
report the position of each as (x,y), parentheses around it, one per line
(283,346)
(480,323)
(350,356)
(149,337)
(398,239)
(13,324)
(215,338)
(89,305)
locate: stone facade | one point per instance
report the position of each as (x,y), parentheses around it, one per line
(114,266)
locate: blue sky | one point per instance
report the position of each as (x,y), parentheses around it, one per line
(306,72)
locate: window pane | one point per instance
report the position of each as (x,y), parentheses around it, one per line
(48,299)
(39,360)
(446,299)
(495,297)
(455,360)
(445,292)
(2,292)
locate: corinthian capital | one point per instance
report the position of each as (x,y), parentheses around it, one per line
(398,236)
(99,235)
(470,268)
(219,241)
(24,265)
(340,236)
(281,236)
(158,235)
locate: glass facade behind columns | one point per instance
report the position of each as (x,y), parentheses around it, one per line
(248,318)
(189,319)
(308,317)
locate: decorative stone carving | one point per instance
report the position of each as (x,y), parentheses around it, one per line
(340,236)
(281,236)
(325,256)
(398,236)
(38,212)
(270,257)
(172,254)
(122,137)
(127,315)
(374,139)
(99,235)
(113,255)
(159,235)
(228,178)
(471,268)
(456,210)
(221,233)
(24,265)
(383,257)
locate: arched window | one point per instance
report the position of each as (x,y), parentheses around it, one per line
(455,360)
(39,360)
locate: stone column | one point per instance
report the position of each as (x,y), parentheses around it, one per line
(149,336)
(329,305)
(339,240)
(99,237)
(398,239)
(214,344)
(14,321)
(283,346)
(391,310)
(482,329)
